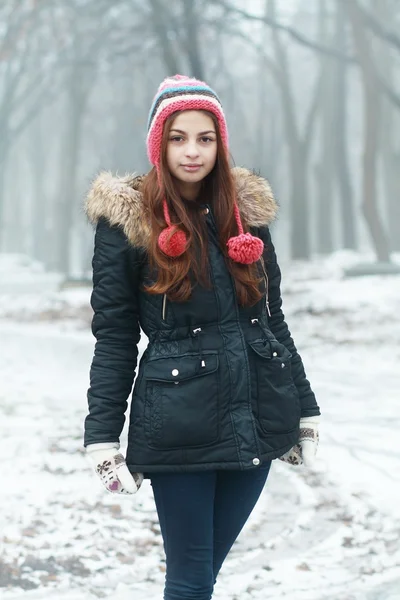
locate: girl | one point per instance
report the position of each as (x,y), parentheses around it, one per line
(185,254)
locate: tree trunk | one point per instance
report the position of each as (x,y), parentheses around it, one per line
(300,221)
(369,188)
(389,147)
(393,199)
(372,115)
(325,200)
(265,127)
(340,87)
(39,211)
(67,196)
(191,46)
(4,150)
(15,206)
(2,200)
(168,52)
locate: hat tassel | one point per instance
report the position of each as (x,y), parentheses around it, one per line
(244,248)
(172,240)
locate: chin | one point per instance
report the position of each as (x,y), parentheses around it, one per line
(191,177)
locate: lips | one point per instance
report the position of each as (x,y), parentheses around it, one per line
(191,167)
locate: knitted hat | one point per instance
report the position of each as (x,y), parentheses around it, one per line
(180,93)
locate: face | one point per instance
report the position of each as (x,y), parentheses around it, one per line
(192,148)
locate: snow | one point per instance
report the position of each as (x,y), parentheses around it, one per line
(20,274)
(331,532)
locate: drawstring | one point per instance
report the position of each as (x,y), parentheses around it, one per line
(172,240)
(254,321)
(243,248)
(196,333)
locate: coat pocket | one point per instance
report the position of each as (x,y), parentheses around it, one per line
(181,400)
(277,398)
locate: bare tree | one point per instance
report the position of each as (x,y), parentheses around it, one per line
(299,144)
(390,147)
(162,23)
(372,123)
(292,32)
(340,137)
(190,39)
(27,74)
(324,171)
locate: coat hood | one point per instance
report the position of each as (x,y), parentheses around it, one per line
(119,200)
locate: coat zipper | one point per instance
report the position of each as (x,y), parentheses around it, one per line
(263,268)
(164,303)
(164,307)
(266,285)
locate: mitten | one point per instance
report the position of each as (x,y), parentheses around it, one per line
(304,452)
(110,466)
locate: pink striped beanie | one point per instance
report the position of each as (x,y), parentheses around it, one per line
(181,93)
(176,94)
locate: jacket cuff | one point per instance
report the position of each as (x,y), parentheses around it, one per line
(314,420)
(102,446)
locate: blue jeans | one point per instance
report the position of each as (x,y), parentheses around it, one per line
(201,515)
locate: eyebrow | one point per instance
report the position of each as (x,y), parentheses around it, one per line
(201,132)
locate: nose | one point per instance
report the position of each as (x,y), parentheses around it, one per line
(191,150)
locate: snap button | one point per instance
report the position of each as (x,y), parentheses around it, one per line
(283,365)
(206,211)
(175,372)
(274,354)
(254,321)
(256,461)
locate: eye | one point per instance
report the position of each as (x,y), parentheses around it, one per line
(206,139)
(176,138)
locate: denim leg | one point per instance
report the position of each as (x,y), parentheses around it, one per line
(236,495)
(185,507)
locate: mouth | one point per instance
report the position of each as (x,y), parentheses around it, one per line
(192,167)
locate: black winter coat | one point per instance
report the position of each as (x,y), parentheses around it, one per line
(218,386)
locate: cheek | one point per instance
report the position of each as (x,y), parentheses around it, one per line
(171,157)
(212,157)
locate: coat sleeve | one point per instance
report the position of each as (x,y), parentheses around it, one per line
(279,327)
(115,325)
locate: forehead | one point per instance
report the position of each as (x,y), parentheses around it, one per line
(193,120)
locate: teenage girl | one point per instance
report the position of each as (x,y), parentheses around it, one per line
(184,254)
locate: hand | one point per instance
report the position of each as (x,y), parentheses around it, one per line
(110,466)
(304,452)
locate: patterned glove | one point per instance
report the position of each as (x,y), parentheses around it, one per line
(110,466)
(304,452)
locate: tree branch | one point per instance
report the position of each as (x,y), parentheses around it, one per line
(354,10)
(293,33)
(376,27)
(258,47)
(160,29)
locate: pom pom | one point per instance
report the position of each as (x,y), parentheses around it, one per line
(172,241)
(245,248)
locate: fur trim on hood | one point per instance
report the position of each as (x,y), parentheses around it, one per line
(120,201)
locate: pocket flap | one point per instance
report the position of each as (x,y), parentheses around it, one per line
(180,368)
(262,348)
(270,349)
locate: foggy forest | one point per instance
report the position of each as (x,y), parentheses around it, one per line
(311,94)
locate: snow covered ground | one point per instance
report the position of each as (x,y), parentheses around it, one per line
(330,533)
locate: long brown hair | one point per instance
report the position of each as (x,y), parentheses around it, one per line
(175,276)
